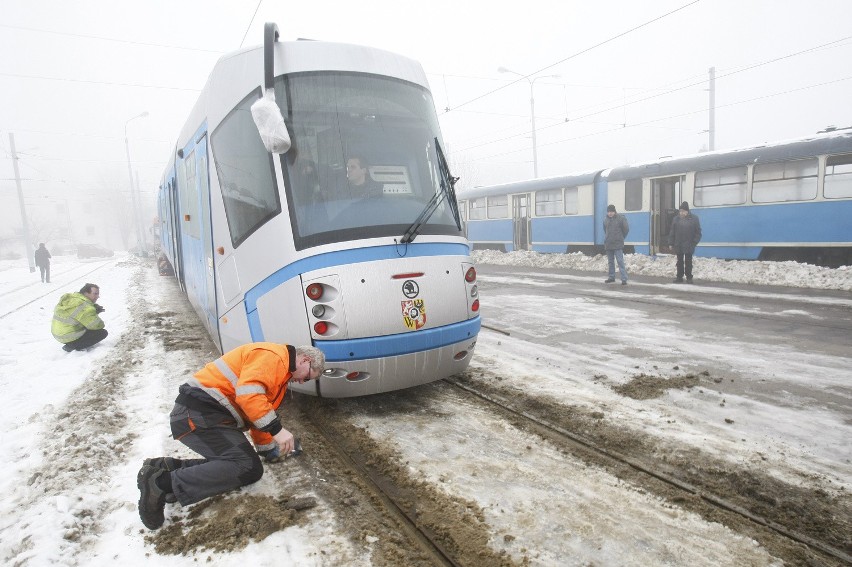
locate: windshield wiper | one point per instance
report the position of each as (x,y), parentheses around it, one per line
(448,192)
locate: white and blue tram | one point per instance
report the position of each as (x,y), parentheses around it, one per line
(281,247)
(784,201)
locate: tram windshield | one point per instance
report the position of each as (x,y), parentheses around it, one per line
(364,160)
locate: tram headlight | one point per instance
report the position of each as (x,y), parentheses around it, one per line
(314,291)
(318,311)
(474,291)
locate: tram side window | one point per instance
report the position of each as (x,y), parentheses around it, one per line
(246,173)
(477,209)
(572,200)
(548,203)
(498,207)
(721,187)
(785,181)
(838,177)
(633,195)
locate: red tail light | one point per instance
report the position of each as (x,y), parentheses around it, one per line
(475,306)
(314,291)
(320,327)
(470,276)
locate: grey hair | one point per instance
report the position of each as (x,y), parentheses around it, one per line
(316,356)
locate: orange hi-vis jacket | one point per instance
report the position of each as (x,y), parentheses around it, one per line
(250,381)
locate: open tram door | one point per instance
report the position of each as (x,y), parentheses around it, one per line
(521,221)
(665,196)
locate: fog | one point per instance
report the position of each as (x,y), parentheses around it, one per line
(613,82)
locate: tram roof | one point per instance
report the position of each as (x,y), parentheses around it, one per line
(541,184)
(832,143)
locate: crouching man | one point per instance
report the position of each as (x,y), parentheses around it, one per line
(76,321)
(238,391)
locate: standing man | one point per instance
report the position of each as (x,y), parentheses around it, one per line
(240,390)
(76,323)
(42,260)
(615,230)
(684,237)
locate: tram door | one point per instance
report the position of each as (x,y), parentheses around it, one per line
(521,221)
(197,238)
(665,194)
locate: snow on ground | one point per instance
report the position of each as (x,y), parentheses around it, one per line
(791,274)
(37,378)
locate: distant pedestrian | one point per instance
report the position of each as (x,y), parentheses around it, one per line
(615,230)
(42,260)
(684,237)
(76,322)
(241,390)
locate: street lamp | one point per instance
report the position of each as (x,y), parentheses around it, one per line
(143,250)
(532,110)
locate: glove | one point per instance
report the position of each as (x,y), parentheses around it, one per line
(272,456)
(98,308)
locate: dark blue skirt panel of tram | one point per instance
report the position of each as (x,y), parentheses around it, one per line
(400,344)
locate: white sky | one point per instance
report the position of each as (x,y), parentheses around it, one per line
(553,506)
(73,73)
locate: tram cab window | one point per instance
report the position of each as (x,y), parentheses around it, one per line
(838,177)
(785,181)
(390,126)
(245,171)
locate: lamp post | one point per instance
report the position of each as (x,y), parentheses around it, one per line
(532,110)
(133,197)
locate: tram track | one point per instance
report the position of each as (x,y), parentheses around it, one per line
(6,294)
(580,444)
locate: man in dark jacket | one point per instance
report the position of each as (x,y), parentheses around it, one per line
(42,260)
(615,228)
(684,237)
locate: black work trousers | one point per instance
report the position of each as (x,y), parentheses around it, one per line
(89,338)
(229,462)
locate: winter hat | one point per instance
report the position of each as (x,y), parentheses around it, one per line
(610,208)
(684,206)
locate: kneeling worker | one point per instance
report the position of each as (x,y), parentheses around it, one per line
(238,391)
(76,323)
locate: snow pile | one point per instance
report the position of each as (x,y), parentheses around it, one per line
(792,274)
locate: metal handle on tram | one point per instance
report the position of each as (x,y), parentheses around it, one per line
(270,36)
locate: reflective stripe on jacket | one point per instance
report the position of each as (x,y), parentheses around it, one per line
(250,382)
(72,316)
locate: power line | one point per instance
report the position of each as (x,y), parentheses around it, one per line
(135,85)
(581,52)
(674,90)
(101,38)
(248,27)
(648,122)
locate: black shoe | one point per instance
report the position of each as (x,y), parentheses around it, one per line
(623,282)
(609,280)
(688,280)
(165,463)
(67,348)
(678,280)
(152,499)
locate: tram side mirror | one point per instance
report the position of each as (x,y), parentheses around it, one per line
(270,124)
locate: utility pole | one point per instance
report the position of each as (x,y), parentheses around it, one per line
(24,222)
(712,128)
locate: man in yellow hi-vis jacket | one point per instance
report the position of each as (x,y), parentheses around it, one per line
(239,391)
(76,323)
